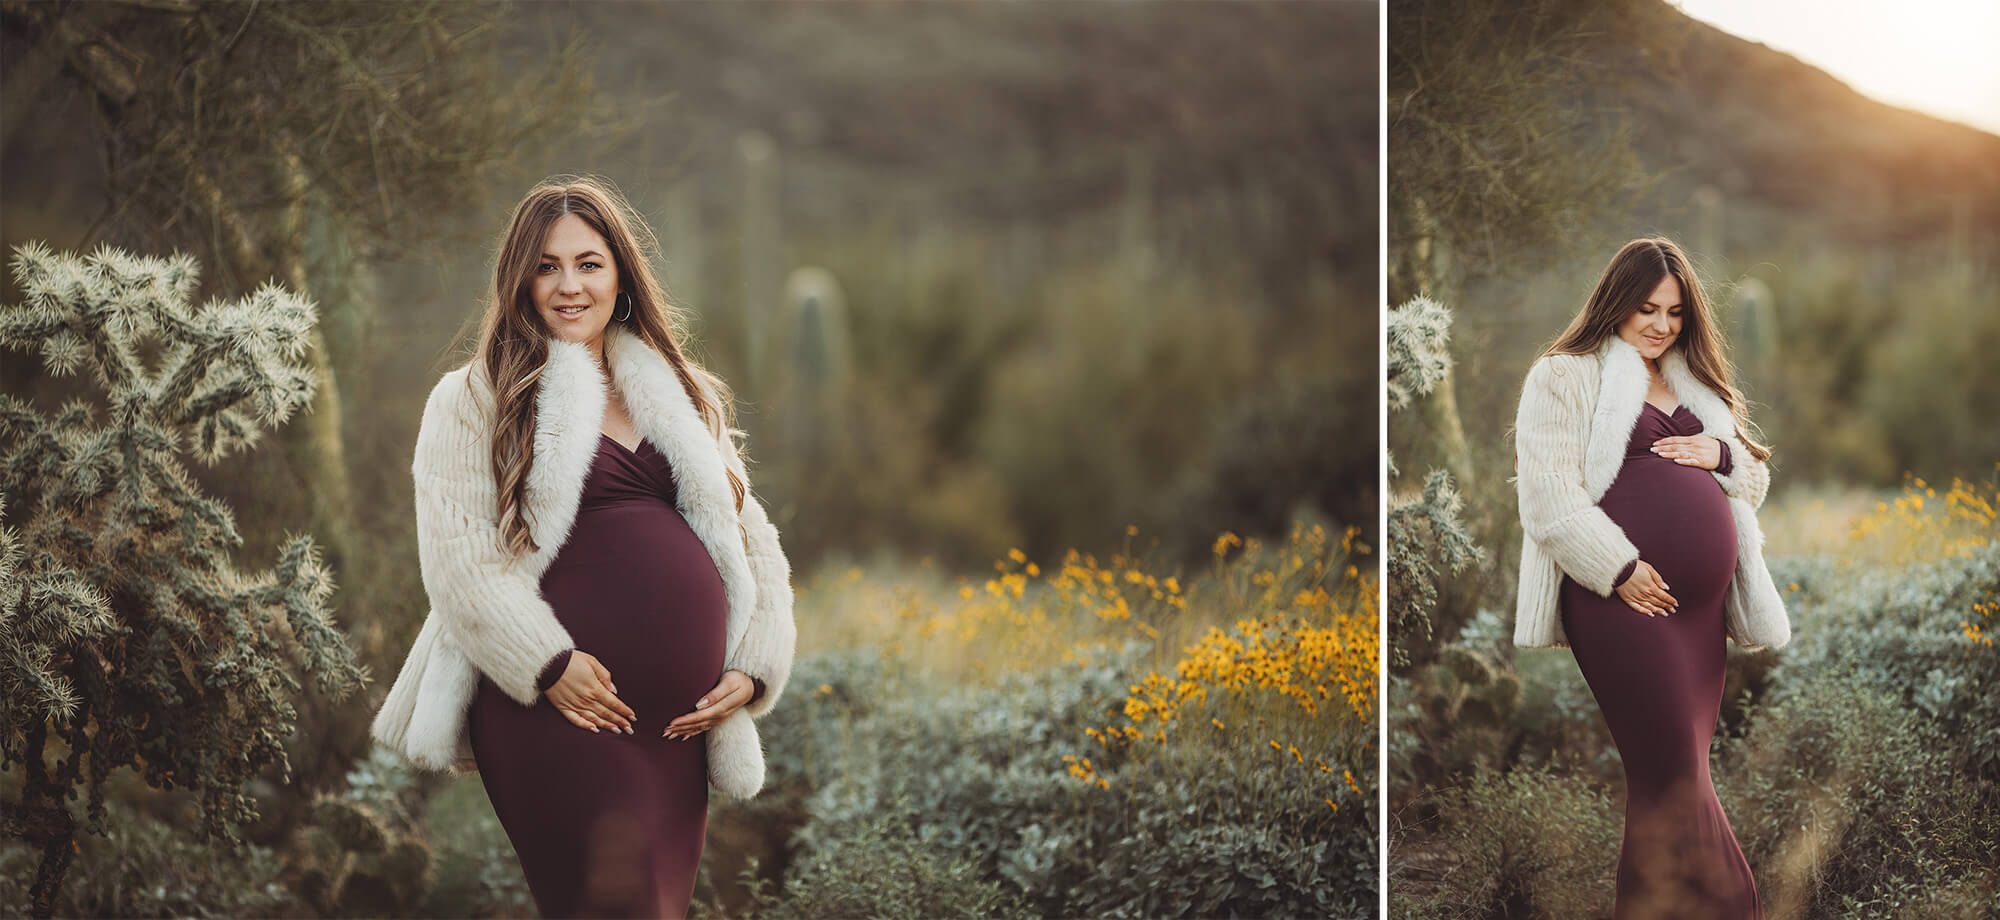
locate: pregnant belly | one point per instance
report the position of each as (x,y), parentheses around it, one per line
(637,589)
(1679,519)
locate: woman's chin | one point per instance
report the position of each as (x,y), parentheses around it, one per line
(579,333)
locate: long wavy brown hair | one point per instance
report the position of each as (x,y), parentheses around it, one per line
(1626,283)
(513,342)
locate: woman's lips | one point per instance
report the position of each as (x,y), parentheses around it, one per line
(571,314)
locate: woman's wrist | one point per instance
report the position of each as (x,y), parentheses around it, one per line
(756,686)
(1625,574)
(553,671)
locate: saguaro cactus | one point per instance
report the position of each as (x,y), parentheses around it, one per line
(1757,318)
(821,362)
(686,242)
(128,635)
(761,254)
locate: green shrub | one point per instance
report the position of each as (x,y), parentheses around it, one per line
(976,774)
(1899,631)
(1530,842)
(885,869)
(1869,785)
(1852,805)
(477,873)
(143,866)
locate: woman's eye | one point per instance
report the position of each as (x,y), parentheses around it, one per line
(544,267)
(593,264)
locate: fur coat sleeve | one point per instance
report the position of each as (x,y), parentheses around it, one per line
(1552,431)
(766,650)
(490,605)
(1748,478)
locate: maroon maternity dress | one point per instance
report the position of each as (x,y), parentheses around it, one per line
(1659,682)
(608,824)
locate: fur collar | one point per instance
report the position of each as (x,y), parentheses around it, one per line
(569,417)
(1622,383)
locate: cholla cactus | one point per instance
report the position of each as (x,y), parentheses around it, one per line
(127,632)
(1419,334)
(1427,537)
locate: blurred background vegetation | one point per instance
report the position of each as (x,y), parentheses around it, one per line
(1851,249)
(984,278)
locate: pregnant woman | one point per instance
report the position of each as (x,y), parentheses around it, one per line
(1639,478)
(609,603)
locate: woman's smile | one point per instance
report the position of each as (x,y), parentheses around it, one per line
(1652,326)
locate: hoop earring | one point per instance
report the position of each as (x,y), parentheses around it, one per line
(624,297)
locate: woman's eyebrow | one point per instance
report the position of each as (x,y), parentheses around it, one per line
(584,254)
(1657,306)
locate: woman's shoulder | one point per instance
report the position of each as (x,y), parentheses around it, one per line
(1561,370)
(459,396)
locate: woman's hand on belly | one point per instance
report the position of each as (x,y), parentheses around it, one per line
(587,698)
(1646,592)
(1692,450)
(729,695)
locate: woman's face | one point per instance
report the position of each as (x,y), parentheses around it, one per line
(575,285)
(1656,324)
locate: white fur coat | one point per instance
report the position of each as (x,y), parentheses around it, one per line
(1577,414)
(488,617)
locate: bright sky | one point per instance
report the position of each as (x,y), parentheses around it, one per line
(1941,57)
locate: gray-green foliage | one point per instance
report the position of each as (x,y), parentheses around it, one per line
(974,777)
(1428,540)
(362,854)
(1897,631)
(128,634)
(1528,842)
(146,866)
(884,869)
(475,871)
(1871,777)
(1455,714)
(1854,808)
(1865,781)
